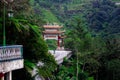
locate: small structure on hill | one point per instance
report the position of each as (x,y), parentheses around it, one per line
(53,31)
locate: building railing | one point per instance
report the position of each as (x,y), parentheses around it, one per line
(11,52)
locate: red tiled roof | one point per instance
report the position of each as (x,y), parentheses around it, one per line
(52,32)
(52,26)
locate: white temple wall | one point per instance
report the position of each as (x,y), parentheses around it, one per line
(51,37)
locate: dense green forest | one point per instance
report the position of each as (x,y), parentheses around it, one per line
(92,30)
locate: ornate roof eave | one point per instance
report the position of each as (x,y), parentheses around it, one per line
(53,32)
(7,1)
(52,26)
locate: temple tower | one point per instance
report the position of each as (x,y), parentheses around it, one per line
(53,31)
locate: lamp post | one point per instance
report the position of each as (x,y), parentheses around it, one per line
(4,37)
(4,33)
(10,11)
(10,14)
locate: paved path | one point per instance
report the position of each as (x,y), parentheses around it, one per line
(117,3)
(60,55)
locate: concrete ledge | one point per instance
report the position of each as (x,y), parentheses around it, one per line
(60,55)
(11,65)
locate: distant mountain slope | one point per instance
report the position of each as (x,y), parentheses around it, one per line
(58,10)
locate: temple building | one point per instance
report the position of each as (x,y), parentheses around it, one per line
(53,31)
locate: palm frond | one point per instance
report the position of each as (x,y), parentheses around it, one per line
(20,24)
(35,29)
(29,64)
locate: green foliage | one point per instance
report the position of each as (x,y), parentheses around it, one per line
(90,78)
(103,51)
(49,16)
(29,65)
(35,48)
(23,29)
(81,41)
(51,44)
(31,2)
(1,34)
(68,71)
(99,57)
(78,35)
(62,10)
(48,68)
(102,17)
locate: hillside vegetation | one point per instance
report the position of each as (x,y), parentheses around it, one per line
(59,10)
(92,34)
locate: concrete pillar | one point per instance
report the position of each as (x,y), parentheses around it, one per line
(10,75)
(2,78)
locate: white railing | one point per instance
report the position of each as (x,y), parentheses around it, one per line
(117,3)
(59,55)
(11,52)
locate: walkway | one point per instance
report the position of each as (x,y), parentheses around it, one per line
(60,55)
(117,3)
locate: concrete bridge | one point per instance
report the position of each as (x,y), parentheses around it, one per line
(117,3)
(11,58)
(60,55)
